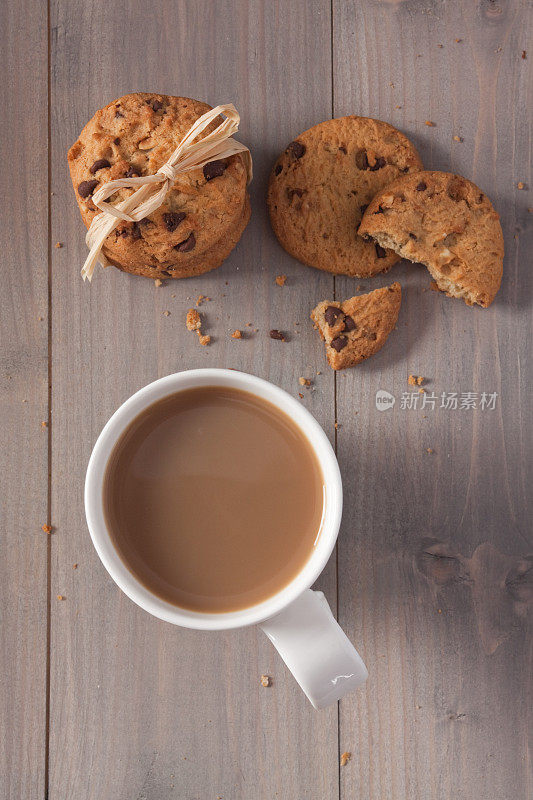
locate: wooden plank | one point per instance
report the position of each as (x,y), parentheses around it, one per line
(140,709)
(23,400)
(443,628)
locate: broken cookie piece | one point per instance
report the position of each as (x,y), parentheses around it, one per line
(358,327)
(448,224)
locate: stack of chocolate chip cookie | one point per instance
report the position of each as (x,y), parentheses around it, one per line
(350,196)
(204,213)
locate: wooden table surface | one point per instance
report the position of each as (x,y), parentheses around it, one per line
(432,575)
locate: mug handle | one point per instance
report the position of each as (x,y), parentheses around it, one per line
(316,650)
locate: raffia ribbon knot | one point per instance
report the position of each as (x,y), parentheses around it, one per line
(151,190)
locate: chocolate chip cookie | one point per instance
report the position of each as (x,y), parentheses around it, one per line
(321,185)
(358,327)
(203,215)
(446,223)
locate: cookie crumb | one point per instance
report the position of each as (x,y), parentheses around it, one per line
(75,566)
(166,313)
(345,757)
(44,424)
(46,528)
(266,680)
(429,450)
(434,287)
(200,299)
(280,280)
(430,124)
(458,40)
(520,185)
(58,245)
(203,339)
(158,282)
(300,395)
(193,321)
(275,334)
(457,138)
(236,334)
(304,381)
(524,54)
(337,426)
(60,596)
(415,380)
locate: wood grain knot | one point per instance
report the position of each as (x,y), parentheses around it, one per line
(501,584)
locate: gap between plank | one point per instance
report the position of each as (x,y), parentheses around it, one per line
(49,417)
(335,417)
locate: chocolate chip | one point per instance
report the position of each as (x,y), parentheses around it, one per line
(165,272)
(292,192)
(339,342)
(412,236)
(457,189)
(277,169)
(421,187)
(117,140)
(118,114)
(275,334)
(296,149)
(136,231)
(371,335)
(363,208)
(349,324)
(380,163)
(172,219)
(132,172)
(380,252)
(379,211)
(332,314)
(343,149)
(86,188)
(157,105)
(214,169)
(187,245)
(102,163)
(121,232)
(361,159)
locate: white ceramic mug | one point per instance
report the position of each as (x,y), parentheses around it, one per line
(297,620)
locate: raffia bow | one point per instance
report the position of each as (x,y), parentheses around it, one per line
(151,190)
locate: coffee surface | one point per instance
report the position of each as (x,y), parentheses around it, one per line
(213,498)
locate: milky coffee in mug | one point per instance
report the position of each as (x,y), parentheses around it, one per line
(213,499)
